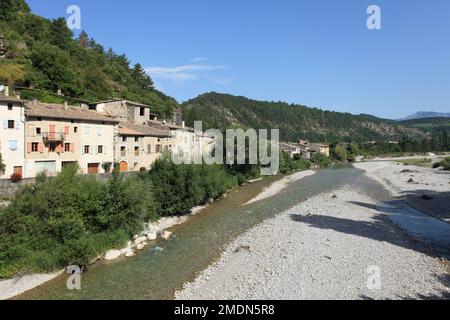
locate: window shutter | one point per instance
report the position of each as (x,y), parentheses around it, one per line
(104,150)
(29,147)
(52,129)
(17,125)
(72,147)
(96,149)
(13,145)
(66,129)
(63,147)
(5,124)
(41,147)
(90,150)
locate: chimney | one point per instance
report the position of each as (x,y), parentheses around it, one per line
(65,105)
(183,124)
(35,102)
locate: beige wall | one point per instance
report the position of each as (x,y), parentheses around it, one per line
(319,148)
(125,111)
(146,156)
(77,135)
(9,137)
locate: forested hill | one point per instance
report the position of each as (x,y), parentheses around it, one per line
(43,54)
(294,121)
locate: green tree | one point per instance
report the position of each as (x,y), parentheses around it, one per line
(2,165)
(9,9)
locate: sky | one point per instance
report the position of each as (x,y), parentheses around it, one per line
(318,53)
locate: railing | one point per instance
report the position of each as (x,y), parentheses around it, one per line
(54,136)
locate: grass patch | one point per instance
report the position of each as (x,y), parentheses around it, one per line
(417,162)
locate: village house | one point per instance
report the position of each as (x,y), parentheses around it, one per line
(124,110)
(58,135)
(143,139)
(290,149)
(139,146)
(12,134)
(320,148)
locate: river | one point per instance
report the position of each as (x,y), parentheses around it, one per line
(155,274)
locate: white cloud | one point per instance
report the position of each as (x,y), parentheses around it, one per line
(199,59)
(182,73)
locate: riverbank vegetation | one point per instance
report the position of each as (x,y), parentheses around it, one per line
(445,164)
(72,219)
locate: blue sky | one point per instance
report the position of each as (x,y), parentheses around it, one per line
(313,52)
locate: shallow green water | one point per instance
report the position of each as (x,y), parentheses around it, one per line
(156,275)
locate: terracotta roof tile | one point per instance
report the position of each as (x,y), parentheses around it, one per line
(59,111)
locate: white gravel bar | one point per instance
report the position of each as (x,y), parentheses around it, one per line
(327,247)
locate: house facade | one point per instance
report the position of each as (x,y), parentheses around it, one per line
(139,146)
(320,148)
(59,135)
(125,110)
(12,135)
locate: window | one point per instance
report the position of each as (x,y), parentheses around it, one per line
(39,119)
(86,149)
(13,145)
(11,124)
(67,147)
(34,147)
(124,139)
(100,149)
(10,106)
(136,139)
(52,147)
(38,131)
(149,148)
(158,148)
(142,111)
(136,151)
(123,151)
(99,131)
(75,129)
(87,131)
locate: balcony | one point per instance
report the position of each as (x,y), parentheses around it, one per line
(54,136)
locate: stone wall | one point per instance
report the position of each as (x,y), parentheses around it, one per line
(8,188)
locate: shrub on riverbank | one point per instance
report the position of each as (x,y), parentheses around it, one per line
(321,160)
(445,164)
(178,188)
(70,219)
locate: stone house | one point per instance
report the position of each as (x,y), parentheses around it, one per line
(321,148)
(139,146)
(58,135)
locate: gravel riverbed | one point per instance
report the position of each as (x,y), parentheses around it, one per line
(328,247)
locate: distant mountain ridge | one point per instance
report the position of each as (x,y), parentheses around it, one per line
(427,114)
(295,122)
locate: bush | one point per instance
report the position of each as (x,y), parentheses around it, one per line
(70,219)
(321,160)
(107,166)
(178,188)
(16,177)
(445,164)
